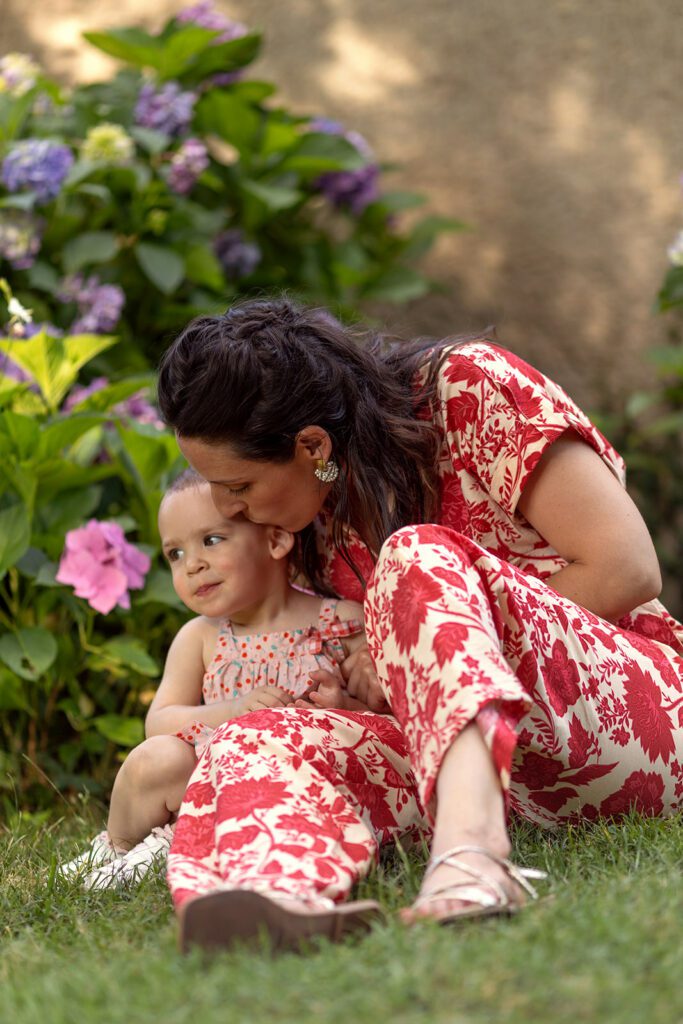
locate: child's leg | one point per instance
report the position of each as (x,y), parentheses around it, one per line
(149,788)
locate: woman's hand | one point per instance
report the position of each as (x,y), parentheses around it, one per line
(361,680)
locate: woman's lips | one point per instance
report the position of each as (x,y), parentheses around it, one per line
(206,589)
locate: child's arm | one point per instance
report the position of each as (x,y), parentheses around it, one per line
(357,669)
(178,701)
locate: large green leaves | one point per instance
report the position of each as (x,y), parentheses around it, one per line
(53,363)
(29,653)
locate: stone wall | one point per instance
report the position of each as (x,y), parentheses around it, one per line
(553,129)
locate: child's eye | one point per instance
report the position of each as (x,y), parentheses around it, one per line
(212,540)
(174,554)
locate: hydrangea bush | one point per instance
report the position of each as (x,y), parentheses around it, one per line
(134,203)
(86,607)
(126,207)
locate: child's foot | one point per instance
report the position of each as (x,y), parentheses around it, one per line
(130,868)
(99,852)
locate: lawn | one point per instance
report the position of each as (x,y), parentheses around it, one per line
(604,944)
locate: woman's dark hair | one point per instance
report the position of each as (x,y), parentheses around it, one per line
(258,375)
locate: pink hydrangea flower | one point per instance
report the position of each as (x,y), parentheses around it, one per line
(100,564)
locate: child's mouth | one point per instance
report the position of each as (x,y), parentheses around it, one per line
(208,588)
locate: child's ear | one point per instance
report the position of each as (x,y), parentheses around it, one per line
(280,542)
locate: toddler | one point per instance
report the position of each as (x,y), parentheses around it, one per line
(256,642)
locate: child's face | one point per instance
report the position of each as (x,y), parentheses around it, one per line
(219,566)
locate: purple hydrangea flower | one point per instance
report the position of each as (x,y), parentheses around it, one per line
(37,165)
(352,189)
(99,305)
(187,164)
(101,566)
(205,15)
(20,237)
(167,109)
(238,257)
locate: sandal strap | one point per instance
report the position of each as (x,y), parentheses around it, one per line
(513,871)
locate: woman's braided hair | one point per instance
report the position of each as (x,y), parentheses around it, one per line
(255,377)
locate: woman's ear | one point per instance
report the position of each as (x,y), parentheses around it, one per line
(280,542)
(314,442)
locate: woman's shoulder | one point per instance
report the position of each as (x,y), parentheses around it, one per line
(479,359)
(346,610)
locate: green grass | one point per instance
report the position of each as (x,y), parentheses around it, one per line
(605,944)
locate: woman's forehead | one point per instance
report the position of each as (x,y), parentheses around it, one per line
(210,460)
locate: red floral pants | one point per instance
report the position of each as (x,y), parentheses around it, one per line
(581,718)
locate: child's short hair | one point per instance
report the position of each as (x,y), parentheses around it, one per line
(188,478)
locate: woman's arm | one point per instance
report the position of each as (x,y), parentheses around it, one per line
(576,503)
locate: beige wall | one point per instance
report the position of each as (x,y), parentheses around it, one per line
(551,126)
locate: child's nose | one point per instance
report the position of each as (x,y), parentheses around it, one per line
(195,562)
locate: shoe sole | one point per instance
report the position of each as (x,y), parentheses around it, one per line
(224,919)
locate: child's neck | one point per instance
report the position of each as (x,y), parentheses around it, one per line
(282,608)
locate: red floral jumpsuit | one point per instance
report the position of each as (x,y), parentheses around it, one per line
(582,717)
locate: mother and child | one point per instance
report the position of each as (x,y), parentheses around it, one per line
(509,590)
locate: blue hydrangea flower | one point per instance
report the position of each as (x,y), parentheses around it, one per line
(38,165)
(167,109)
(238,257)
(348,189)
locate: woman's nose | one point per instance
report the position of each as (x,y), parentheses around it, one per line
(226,504)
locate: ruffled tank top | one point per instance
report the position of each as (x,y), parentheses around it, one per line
(241,664)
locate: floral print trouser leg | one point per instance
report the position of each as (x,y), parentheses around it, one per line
(293,800)
(580,716)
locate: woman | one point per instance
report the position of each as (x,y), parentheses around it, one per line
(510,598)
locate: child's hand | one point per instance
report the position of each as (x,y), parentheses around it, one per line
(361,680)
(266,697)
(328,691)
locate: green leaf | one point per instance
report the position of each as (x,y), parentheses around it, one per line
(28,652)
(274,197)
(152,141)
(90,247)
(151,455)
(43,277)
(318,152)
(671,294)
(64,432)
(130,651)
(164,267)
(126,732)
(129,44)
(424,234)
(221,113)
(15,535)
(54,362)
(203,268)
(221,57)
(105,398)
(397,284)
(12,695)
(21,433)
(395,202)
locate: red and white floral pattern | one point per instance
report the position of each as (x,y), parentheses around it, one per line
(582,717)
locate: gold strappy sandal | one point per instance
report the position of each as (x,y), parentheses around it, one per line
(487,896)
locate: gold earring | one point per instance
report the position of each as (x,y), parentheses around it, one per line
(327,472)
